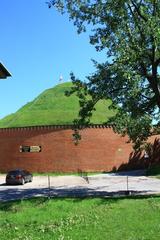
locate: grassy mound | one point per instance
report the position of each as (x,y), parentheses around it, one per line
(53,107)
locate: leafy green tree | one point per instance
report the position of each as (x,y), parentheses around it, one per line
(129,32)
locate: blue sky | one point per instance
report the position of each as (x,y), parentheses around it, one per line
(37,45)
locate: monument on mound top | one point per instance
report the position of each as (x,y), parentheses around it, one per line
(60,79)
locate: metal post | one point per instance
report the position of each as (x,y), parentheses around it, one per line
(127,190)
(49,187)
(127,183)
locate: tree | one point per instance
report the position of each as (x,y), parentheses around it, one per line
(129,31)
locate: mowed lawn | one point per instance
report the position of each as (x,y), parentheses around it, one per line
(96,218)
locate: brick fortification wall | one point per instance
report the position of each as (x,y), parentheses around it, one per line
(99,149)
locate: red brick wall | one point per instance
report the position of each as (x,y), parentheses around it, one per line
(100,149)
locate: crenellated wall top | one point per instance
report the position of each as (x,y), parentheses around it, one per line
(51,127)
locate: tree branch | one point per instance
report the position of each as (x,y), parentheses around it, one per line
(138,11)
(118,89)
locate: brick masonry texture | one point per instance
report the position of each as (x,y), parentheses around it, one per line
(99,149)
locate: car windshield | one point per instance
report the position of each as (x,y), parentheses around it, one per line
(15,172)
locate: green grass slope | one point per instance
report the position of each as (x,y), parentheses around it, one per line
(53,107)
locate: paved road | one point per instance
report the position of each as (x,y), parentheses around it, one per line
(74,186)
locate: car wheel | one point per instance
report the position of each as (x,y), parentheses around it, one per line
(31,179)
(22,182)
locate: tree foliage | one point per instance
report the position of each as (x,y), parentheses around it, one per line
(129,32)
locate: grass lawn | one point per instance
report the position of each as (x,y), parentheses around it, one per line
(96,218)
(56,174)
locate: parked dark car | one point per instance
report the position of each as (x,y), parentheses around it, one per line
(18,176)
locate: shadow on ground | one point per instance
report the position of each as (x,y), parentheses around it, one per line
(76,192)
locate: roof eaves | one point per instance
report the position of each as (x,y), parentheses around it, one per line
(5,72)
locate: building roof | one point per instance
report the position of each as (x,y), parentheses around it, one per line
(4,73)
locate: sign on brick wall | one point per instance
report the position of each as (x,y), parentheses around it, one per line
(30,148)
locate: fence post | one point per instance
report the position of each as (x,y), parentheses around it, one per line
(127,190)
(49,187)
(127,183)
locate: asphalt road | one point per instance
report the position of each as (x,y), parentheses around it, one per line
(100,185)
